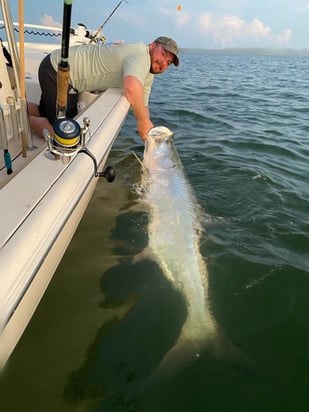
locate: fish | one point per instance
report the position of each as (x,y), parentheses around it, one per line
(174,234)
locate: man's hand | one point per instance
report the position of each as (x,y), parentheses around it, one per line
(143,127)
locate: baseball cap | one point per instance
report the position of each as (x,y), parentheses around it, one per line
(170,45)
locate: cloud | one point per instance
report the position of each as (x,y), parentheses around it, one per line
(227,31)
(165,12)
(47,20)
(285,37)
(133,19)
(181,18)
(224,30)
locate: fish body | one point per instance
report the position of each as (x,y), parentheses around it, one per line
(174,235)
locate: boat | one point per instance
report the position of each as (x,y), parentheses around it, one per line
(45,184)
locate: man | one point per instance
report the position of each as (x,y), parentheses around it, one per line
(130,66)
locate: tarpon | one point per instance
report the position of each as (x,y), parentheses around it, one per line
(174,236)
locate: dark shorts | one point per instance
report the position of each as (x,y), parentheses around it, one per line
(48,83)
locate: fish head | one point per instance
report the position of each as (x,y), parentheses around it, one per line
(159,152)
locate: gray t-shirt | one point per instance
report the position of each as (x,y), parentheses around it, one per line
(100,66)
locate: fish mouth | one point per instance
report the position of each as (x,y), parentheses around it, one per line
(160,134)
(158,153)
(158,142)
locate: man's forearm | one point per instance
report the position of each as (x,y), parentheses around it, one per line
(134,92)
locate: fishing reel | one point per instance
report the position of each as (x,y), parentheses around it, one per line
(68,140)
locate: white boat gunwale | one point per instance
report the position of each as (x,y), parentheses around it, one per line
(39,221)
(17,277)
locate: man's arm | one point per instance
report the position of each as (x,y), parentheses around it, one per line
(134,92)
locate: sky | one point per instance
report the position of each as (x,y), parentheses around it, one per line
(209,24)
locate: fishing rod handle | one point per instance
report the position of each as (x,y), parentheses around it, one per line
(63,76)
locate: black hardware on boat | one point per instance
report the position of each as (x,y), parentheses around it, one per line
(6,54)
(109,172)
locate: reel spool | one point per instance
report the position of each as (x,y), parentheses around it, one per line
(66,139)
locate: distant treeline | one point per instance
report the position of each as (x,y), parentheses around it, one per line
(252,51)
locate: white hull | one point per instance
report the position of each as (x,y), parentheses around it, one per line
(41,205)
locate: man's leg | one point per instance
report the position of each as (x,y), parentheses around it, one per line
(37,122)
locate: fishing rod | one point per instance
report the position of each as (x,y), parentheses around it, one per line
(107,19)
(22,74)
(66,131)
(63,73)
(68,137)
